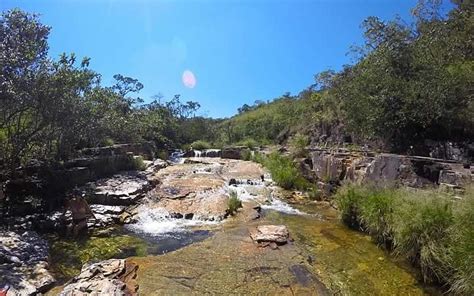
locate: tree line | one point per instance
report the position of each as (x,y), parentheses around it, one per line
(50,108)
(410,82)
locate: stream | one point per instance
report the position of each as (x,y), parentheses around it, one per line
(205,253)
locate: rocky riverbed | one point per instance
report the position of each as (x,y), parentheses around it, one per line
(182,238)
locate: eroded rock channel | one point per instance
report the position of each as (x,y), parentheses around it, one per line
(174,224)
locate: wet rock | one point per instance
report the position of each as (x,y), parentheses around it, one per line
(110,277)
(23,263)
(232,181)
(270,233)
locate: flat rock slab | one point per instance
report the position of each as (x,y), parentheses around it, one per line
(270,233)
(228,263)
(109,277)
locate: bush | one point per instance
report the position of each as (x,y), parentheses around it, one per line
(424,226)
(246,154)
(234,203)
(249,143)
(298,145)
(284,172)
(200,145)
(138,163)
(107,142)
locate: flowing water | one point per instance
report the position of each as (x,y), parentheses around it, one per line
(347,262)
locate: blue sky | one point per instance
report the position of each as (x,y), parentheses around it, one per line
(239,51)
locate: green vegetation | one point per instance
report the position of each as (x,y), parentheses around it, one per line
(234,203)
(249,143)
(51,108)
(429,228)
(200,145)
(298,145)
(284,171)
(68,256)
(409,83)
(138,163)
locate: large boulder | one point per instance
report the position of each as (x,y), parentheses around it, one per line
(24,263)
(109,277)
(270,233)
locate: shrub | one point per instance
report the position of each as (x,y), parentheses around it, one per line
(138,163)
(298,145)
(200,145)
(107,142)
(284,172)
(234,203)
(249,143)
(246,154)
(163,154)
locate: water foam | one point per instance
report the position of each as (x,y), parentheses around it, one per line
(157,221)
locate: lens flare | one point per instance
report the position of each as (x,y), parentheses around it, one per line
(189,80)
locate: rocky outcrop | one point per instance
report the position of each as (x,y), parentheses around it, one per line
(336,166)
(234,152)
(110,277)
(122,189)
(146,149)
(24,263)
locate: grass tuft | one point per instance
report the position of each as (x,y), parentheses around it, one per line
(427,227)
(234,203)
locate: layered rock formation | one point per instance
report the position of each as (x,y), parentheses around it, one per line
(336,166)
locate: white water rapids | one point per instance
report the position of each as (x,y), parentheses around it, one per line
(159,222)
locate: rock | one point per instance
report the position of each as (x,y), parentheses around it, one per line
(233,152)
(122,189)
(24,263)
(106,215)
(156,165)
(270,233)
(232,181)
(109,277)
(327,167)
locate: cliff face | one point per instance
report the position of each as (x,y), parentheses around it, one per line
(333,167)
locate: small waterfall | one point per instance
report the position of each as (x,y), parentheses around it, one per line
(177,156)
(197,153)
(158,221)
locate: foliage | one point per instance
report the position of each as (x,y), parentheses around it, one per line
(298,145)
(249,143)
(51,108)
(200,145)
(138,163)
(234,203)
(409,83)
(427,227)
(284,172)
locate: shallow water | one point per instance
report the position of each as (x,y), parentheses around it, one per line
(344,260)
(348,261)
